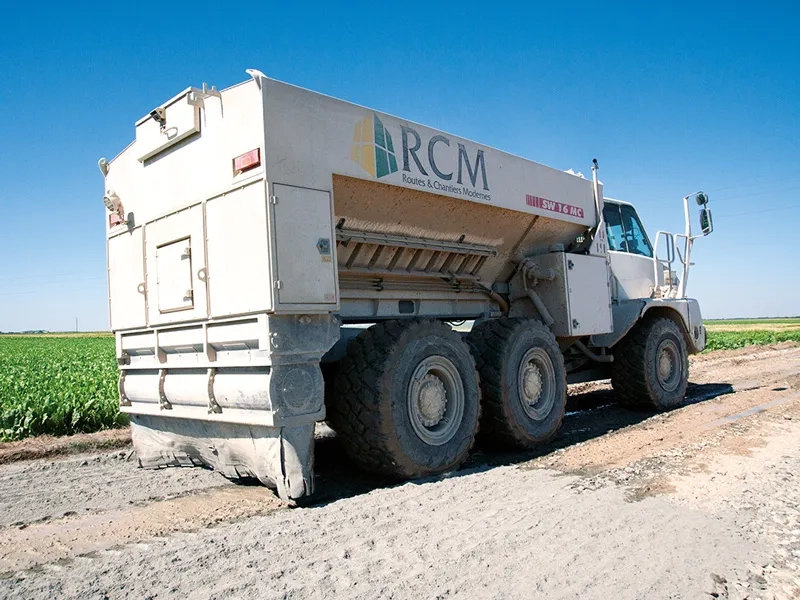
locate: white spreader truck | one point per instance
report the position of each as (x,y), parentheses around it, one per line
(277,257)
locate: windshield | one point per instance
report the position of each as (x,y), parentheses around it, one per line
(625,231)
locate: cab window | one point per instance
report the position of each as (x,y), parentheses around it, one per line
(634,232)
(625,231)
(614,231)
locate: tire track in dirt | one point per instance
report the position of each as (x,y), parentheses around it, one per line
(49,542)
(722,386)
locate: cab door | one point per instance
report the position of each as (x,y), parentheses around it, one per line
(630,252)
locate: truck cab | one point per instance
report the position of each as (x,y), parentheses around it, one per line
(630,252)
(645,289)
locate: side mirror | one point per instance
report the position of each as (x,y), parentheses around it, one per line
(706,224)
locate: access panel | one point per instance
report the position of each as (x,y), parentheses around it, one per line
(304,246)
(589,295)
(176,268)
(579,296)
(126,286)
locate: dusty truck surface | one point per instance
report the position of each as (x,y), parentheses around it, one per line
(277,257)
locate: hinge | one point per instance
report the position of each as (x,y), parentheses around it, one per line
(276,284)
(187,252)
(189,294)
(273,199)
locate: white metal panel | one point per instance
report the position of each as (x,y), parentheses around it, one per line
(126,280)
(181,119)
(634,274)
(239,279)
(199,167)
(174,276)
(589,295)
(304,242)
(185,228)
(579,296)
(310,136)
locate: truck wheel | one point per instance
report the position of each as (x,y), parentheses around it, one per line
(523,382)
(651,366)
(406,400)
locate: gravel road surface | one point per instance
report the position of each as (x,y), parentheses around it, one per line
(700,502)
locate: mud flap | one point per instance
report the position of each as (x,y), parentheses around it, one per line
(279,457)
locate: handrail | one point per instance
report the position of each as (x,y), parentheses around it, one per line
(670,242)
(674,249)
(685,259)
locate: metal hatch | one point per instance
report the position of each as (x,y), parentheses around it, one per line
(174,276)
(304,252)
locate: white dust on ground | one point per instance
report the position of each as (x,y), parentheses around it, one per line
(682,505)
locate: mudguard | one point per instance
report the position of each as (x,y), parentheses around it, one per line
(684,311)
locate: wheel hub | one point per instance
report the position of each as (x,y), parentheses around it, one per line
(536,384)
(431,400)
(435,400)
(668,367)
(532,384)
(665,365)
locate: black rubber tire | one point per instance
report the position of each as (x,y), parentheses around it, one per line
(499,346)
(634,373)
(369,408)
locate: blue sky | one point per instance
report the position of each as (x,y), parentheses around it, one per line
(670,97)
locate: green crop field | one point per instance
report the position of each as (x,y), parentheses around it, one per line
(727,334)
(57,385)
(795,321)
(728,340)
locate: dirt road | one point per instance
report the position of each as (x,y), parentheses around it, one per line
(701,502)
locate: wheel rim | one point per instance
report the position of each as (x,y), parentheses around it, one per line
(668,367)
(536,384)
(436,400)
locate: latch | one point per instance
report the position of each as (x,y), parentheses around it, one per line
(324,245)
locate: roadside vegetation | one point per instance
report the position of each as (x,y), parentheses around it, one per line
(729,340)
(729,334)
(57,385)
(62,384)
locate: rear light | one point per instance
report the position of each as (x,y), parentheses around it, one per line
(247,161)
(114,205)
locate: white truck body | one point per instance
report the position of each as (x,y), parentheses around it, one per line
(248,225)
